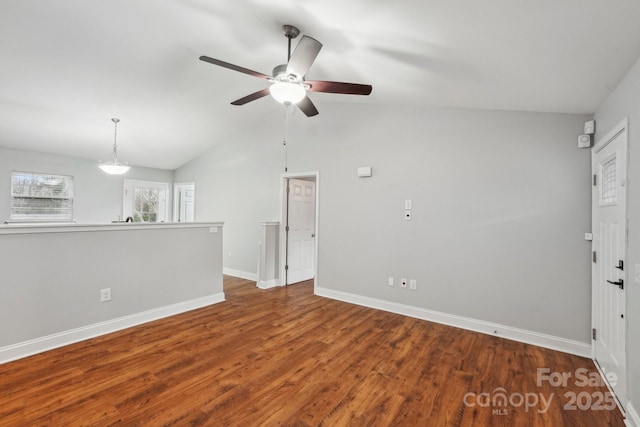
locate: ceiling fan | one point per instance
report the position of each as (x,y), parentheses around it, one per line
(288,85)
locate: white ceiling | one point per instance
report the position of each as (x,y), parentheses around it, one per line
(68,66)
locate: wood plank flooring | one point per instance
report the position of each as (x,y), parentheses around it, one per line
(286,357)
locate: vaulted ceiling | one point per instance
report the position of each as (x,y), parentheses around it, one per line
(68,66)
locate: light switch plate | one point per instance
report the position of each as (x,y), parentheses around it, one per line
(407,204)
(365,172)
(588,236)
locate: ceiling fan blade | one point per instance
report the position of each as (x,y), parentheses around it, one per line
(307,107)
(339,87)
(256,95)
(303,56)
(234,67)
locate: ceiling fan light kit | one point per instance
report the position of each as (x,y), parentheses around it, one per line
(287,93)
(288,85)
(114,167)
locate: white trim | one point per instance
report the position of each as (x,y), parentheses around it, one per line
(283,220)
(605,140)
(521,335)
(241,274)
(73,228)
(633,420)
(267,284)
(49,342)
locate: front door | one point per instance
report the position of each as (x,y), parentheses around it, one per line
(609,161)
(302,224)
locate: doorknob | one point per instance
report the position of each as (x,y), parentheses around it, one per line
(619,283)
(620,265)
(313,235)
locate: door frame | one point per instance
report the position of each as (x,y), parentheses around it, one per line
(150,184)
(176,201)
(620,128)
(283,219)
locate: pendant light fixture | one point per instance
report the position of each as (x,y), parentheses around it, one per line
(115,167)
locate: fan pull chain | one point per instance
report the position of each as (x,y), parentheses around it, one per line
(115,140)
(284,140)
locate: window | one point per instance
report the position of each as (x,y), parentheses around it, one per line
(41,197)
(145,205)
(609,187)
(145,201)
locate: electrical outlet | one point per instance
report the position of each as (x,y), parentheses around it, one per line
(413,284)
(105,294)
(403,283)
(391,281)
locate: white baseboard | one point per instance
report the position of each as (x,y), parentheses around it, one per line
(241,274)
(267,284)
(521,335)
(49,342)
(633,420)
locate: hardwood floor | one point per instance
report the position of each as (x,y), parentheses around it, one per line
(286,357)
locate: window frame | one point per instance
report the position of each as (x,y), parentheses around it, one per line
(16,217)
(163,198)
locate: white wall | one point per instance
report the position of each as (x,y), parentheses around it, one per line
(97,196)
(623,102)
(238,183)
(501,201)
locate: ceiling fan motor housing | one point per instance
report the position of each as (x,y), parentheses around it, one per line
(280,74)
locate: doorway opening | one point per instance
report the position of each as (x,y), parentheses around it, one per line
(184,199)
(609,228)
(299,227)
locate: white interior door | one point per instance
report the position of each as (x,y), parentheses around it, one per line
(301,234)
(609,160)
(184,202)
(145,201)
